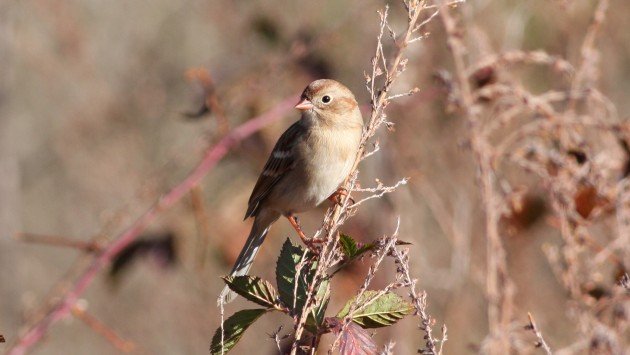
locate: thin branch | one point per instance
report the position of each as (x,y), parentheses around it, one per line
(378,191)
(380,99)
(203,225)
(420,304)
(211,101)
(59,241)
(585,74)
(336,216)
(387,245)
(499,287)
(541,343)
(212,156)
(101,328)
(443,339)
(277,338)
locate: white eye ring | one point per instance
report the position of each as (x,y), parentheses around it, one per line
(326,99)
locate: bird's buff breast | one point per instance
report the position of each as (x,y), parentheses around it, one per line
(319,176)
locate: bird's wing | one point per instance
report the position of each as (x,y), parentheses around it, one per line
(281,160)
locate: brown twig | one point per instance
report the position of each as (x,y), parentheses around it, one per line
(101,328)
(385,73)
(213,155)
(585,75)
(553,135)
(203,226)
(499,287)
(211,101)
(541,343)
(420,304)
(387,246)
(59,241)
(277,338)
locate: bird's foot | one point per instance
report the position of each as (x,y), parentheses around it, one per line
(336,197)
(313,244)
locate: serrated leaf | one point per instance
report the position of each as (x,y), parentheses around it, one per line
(386,310)
(348,245)
(316,318)
(286,270)
(351,249)
(233,329)
(253,288)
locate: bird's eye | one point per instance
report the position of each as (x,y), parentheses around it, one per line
(326,99)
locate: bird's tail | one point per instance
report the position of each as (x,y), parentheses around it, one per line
(262,222)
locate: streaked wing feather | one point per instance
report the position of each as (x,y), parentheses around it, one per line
(280,161)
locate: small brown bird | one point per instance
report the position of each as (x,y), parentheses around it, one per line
(307,165)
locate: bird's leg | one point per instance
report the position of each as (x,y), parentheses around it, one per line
(309,242)
(336,196)
(296,225)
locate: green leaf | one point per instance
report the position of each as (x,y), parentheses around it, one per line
(253,288)
(286,270)
(233,329)
(348,245)
(386,310)
(351,248)
(316,318)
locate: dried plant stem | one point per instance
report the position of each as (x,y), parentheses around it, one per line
(211,101)
(101,328)
(585,75)
(420,303)
(59,241)
(203,225)
(499,287)
(541,343)
(388,245)
(380,98)
(213,155)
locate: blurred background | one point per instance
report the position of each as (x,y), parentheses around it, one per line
(100,114)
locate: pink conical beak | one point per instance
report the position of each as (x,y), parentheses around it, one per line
(304,105)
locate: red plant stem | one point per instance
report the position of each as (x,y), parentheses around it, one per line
(102,329)
(59,241)
(213,155)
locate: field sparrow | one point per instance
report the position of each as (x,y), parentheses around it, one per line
(307,165)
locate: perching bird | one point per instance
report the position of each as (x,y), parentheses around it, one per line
(307,165)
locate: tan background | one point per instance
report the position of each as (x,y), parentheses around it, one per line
(92,131)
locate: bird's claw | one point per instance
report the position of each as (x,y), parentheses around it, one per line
(313,244)
(336,196)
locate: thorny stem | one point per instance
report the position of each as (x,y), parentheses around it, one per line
(541,343)
(214,154)
(101,328)
(203,225)
(60,241)
(388,245)
(419,303)
(583,77)
(499,287)
(380,99)
(564,206)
